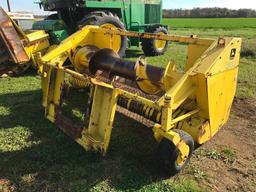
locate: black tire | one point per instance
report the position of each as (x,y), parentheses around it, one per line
(149,45)
(103,17)
(168,153)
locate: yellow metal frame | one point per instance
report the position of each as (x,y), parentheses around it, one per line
(203,95)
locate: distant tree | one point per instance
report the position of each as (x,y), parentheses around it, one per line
(214,12)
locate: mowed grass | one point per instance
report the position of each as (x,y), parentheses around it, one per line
(36,156)
(227,23)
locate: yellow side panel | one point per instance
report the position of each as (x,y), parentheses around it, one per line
(99,39)
(52,81)
(38,41)
(107,41)
(198,128)
(201,95)
(226,61)
(194,52)
(37,35)
(46,75)
(98,134)
(221,92)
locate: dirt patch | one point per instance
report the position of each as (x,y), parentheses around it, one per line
(5,186)
(236,140)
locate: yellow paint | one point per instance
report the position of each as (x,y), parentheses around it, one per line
(183,154)
(197,101)
(101,119)
(144,83)
(81,58)
(116,40)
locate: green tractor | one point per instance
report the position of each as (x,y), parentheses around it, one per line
(132,15)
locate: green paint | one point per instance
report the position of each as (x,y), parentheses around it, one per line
(58,36)
(56,28)
(135,14)
(49,25)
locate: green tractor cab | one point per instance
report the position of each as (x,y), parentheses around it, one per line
(132,15)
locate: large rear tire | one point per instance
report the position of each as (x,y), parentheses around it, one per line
(153,47)
(106,19)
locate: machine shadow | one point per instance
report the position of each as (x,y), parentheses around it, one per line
(57,162)
(133,53)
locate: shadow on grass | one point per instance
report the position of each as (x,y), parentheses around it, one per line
(31,72)
(54,162)
(133,53)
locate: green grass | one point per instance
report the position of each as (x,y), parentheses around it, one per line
(226,155)
(247,78)
(246,34)
(36,156)
(226,23)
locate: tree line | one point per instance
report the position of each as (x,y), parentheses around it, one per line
(208,13)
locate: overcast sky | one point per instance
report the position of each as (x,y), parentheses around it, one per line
(29,5)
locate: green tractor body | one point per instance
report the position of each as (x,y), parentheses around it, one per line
(132,15)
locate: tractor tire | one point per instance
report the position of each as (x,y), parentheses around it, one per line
(168,153)
(153,47)
(101,18)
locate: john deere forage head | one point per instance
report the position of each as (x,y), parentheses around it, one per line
(181,108)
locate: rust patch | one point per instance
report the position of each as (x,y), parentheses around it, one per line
(10,41)
(68,126)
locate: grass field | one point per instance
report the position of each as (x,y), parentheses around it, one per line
(227,23)
(36,156)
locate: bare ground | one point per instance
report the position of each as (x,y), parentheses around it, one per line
(231,172)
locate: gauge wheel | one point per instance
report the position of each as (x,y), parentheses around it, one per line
(169,155)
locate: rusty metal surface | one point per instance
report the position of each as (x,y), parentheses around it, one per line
(74,130)
(130,86)
(127,85)
(10,43)
(140,109)
(135,116)
(68,126)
